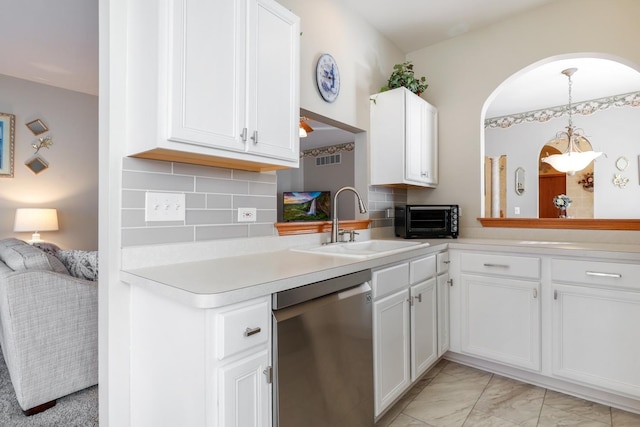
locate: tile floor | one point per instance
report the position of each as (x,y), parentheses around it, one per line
(455,395)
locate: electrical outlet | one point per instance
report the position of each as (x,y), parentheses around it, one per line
(164,207)
(516,210)
(247,214)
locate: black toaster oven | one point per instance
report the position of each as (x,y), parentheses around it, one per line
(426,221)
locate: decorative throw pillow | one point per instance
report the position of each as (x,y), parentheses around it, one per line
(26,257)
(47,247)
(81,264)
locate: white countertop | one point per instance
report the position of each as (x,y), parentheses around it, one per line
(221,281)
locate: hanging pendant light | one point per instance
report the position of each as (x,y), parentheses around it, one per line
(304,127)
(573,159)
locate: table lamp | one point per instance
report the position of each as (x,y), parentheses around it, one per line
(35,220)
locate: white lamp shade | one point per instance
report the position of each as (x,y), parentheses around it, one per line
(33,220)
(571,162)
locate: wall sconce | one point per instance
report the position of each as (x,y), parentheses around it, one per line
(519,183)
(35,220)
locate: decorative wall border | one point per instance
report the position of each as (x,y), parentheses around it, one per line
(333,149)
(583,108)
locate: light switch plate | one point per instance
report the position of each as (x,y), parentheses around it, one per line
(164,207)
(247,214)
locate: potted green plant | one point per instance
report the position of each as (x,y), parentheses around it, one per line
(403,76)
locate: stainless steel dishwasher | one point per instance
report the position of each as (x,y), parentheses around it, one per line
(323,354)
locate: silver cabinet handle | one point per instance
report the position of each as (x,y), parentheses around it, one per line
(252,331)
(486,264)
(450,282)
(419,297)
(446,262)
(243,135)
(535,293)
(599,274)
(255,137)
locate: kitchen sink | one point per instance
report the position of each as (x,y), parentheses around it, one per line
(364,249)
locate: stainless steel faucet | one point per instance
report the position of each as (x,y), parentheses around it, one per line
(334,223)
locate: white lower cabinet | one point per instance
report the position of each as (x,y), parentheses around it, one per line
(500,308)
(595,318)
(243,391)
(405,327)
(199,367)
(424,327)
(443,284)
(501,320)
(567,322)
(392,373)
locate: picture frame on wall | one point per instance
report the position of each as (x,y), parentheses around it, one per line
(7,142)
(37,127)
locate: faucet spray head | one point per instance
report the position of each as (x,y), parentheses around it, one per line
(361,206)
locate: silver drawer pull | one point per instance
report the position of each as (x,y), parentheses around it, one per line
(496,265)
(446,262)
(598,274)
(251,331)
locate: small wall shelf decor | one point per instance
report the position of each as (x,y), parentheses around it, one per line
(36,164)
(7,127)
(37,127)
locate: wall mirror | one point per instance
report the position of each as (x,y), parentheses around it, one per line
(526,112)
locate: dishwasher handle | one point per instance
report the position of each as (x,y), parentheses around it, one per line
(315,290)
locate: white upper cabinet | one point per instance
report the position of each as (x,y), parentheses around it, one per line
(221,86)
(404,139)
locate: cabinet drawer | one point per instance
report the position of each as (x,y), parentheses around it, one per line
(501,265)
(442,262)
(422,269)
(596,273)
(241,328)
(390,279)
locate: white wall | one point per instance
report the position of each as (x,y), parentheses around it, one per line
(70,184)
(365,58)
(464,72)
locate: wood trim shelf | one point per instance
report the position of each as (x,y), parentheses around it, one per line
(290,228)
(563,223)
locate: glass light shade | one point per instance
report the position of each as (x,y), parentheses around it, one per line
(35,220)
(571,162)
(303,133)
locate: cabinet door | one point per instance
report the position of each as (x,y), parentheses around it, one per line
(207,91)
(424,327)
(421,141)
(273,107)
(501,320)
(244,392)
(391,348)
(443,313)
(595,337)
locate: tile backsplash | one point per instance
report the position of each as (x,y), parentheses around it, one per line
(381,199)
(213,196)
